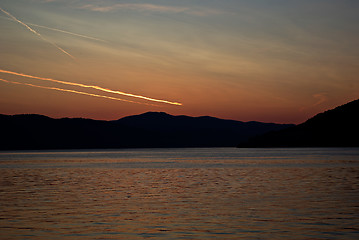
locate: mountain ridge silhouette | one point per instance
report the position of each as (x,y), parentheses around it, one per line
(147,130)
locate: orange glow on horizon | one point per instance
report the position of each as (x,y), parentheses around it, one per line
(92,86)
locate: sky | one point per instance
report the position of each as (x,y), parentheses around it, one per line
(277,61)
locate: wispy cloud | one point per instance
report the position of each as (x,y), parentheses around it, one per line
(150,8)
(321,98)
(133,6)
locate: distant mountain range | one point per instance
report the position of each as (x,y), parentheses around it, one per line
(151,129)
(338,127)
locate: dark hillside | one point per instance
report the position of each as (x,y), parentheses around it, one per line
(338,127)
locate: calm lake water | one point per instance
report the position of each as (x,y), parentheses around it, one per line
(216,193)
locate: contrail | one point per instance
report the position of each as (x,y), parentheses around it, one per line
(91,86)
(38,34)
(73,91)
(60,30)
(63,31)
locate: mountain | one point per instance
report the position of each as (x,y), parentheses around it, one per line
(338,127)
(151,129)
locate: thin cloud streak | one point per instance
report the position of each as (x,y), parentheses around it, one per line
(73,91)
(151,8)
(92,86)
(38,34)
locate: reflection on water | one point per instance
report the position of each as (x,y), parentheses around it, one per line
(180,194)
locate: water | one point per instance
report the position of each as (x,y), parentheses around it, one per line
(218,193)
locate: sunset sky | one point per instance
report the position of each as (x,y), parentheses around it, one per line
(265,60)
